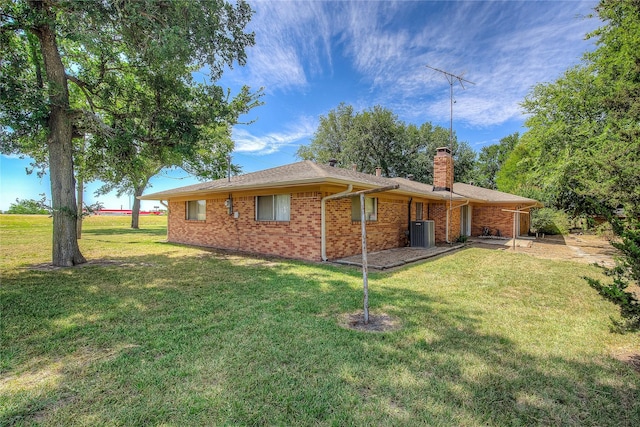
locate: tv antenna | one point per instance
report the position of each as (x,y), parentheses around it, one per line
(451,78)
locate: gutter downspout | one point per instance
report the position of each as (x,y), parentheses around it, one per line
(323,226)
(409,220)
(446,233)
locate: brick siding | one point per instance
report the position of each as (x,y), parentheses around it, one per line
(300,237)
(297,238)
(443,170)
(344,236)
(496,219)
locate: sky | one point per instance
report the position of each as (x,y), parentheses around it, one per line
(310,56)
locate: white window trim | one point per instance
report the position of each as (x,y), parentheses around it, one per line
(375,209)
(204,214)
(274,214)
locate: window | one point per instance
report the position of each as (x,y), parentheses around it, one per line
(370,209)
(197,210)
(419,211)
(273,208)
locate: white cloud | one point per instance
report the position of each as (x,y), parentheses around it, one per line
(294,134)
(293,40)
(505,54)
(504,47)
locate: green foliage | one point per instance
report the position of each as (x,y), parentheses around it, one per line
(582,146)
(107,87)
(549,221)
(626,273)
(27,207)
(462,238)
(377,138)
(491,160)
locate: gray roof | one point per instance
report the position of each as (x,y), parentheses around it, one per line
(481,194)
(300,173)
(426,190)
(308,173)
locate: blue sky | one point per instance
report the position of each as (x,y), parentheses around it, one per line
(311,55)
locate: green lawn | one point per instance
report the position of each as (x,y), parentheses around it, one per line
(162,334)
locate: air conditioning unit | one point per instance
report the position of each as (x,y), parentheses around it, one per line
(423,234)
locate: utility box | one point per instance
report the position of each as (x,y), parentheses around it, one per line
(423,234)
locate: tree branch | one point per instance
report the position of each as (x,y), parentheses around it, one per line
(84,88)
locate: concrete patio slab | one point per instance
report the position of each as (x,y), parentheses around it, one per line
(397,257)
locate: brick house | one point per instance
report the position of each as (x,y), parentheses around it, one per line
(296,211)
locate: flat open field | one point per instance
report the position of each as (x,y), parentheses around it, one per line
(151,333)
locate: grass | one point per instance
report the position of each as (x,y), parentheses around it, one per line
(162,334)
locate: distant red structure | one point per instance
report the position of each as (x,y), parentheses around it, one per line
(123,212)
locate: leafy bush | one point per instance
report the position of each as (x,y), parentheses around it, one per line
(462,238)
(625,273)
(27,207)
(549,221)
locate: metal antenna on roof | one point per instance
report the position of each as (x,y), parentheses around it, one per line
(451,78)
(228,167)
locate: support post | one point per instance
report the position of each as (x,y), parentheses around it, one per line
(515,233)
(363,226)
(518,211)
(365,267)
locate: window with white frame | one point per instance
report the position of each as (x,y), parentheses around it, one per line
(419,209)
(273,208)
(196,210)
(370,209)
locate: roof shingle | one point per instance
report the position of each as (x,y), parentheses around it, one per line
(490,196)
(300,173)
(307,172)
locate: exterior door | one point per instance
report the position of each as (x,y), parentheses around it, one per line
(465,220)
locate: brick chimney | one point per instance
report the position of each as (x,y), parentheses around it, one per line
(378,171)
(443,170)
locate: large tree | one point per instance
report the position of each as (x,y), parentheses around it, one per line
(491,159)
(164,121)
(98,46)
(377,138)
(582,146)
(563,143)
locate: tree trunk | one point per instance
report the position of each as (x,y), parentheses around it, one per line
(80,203)
(135,210)
(66,251)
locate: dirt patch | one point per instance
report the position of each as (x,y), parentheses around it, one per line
(378,322)
(585,248)
(630,358)
(40,416)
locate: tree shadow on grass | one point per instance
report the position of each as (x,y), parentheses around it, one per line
(208,339)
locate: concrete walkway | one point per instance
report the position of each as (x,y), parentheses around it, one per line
(397,257)
(521,242)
